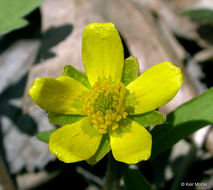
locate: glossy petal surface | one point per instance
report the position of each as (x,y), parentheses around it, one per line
(61,95)
(131,142)
(155,87)
(74,142)
(102,52)
(103,149)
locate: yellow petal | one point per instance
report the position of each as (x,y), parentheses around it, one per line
(103,149)
(74,142)
(131,142)
(102,52)
(155,87)
(61,95)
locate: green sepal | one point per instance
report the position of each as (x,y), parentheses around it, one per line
(199,14)
(45,135)
(150,118)
(103,149)
(182,122)
(62,119)
(130,70)
(72,72)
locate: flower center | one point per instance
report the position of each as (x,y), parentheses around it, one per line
(105,105)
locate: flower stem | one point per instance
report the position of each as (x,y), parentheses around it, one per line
(112,174)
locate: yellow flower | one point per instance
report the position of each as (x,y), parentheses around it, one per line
(106,103)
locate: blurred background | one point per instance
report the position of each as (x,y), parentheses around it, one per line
(37,38)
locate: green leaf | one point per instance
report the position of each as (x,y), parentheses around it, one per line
(199,14)
(103,149)
(45,135)
(11,13)
(133,179)
(182,122)
(6,27)
(150,118)
(130,70)
(72,72)
(61,119)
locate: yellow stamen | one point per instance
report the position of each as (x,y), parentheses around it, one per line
(105,105)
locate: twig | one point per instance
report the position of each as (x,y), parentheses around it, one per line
(89,176)
(5,176)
